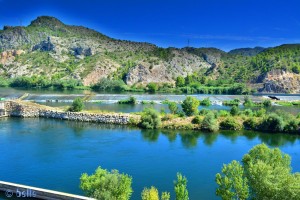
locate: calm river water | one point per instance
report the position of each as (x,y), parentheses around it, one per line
(53,154)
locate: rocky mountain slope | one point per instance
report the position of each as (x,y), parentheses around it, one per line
(51,49)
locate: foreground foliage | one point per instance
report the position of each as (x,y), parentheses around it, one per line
(107,185)
(264,174)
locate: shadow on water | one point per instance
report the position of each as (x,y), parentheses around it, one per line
(188,138)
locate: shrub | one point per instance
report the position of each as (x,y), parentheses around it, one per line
(291,126)
(272,123)
(152,87)
(234,102)
(223,113)
(267,103)
(230,124)
(106,185)
(260,113)
(165,196)
(150,194)
(131,100)
(248,102)
(106,84)
(205,102)
(197,120)
(77,105)
(173,107)
(210,123)
(234,111)
(180,187)
(248,112)
(190,105)
(250,123)
(204,111)
(150,119)
(180,82)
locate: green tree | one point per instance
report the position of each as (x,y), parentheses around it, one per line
(150,194)
(266,172)
(165,196)
(152,87)
(190,105)
(77,105)
(173,107)
(232,182)
(270,174)
(106,185)
(180,82)
(150,119)
(180,187)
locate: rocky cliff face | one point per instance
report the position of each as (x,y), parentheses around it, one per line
(280,81)
(52,49)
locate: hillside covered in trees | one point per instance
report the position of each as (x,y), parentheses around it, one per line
(49,53)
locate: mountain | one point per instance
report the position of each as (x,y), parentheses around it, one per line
(247,51)
(53,50)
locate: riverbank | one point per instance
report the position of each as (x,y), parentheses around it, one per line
(18,108)
(206,120)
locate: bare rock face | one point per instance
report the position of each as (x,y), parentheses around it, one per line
(82,51)
(13,37)
(280,81)
(44,46)
(10,55)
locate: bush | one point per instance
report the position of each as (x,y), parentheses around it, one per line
(204,111)
(150,194)
(131,100)
(234,102)
(272,123)
(234,111)
(190,106)
(150,119)
(77,105)
(173,107)
(267,103)
(223,113)
(248,112)
(291,126)
(250,123)
(152,87)
(248,102)
(230,124)
(205,102)
(260,113)
(180,187)
(210,123)
(106,185)
(180,82)
(196,120)
(106,84)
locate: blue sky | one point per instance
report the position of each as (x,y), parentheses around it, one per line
(225,24)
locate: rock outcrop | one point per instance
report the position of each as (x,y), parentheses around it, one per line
(280,81)
(25,109)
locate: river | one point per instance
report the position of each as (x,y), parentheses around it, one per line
(52,154)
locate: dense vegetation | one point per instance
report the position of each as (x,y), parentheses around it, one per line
(264,174)
(254,117)
(115,186)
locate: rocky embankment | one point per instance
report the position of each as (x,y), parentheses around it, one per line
(26,109)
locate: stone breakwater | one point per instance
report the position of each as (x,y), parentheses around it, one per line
(25,109)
